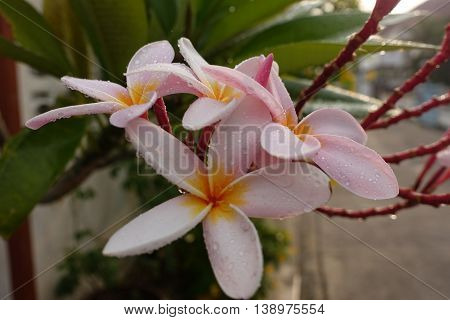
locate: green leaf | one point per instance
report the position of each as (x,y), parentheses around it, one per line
(60,16)
(305,28)
(12,51)
(332,97)
(116,30)
(33,33)
(296,56)
(166,12)
(232,17)
(30,163)
(292,28)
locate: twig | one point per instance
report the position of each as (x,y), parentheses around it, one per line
(415,112)
(419,151)
(161,115)
(382,8)
(429,187)
(419,77)
(427,166)
(422,198)
(365,213)
(203,141)
(78,173)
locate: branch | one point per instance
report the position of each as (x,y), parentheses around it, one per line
(426,167)
(382,8)
(419,151)
(161,115)
(419,77)
(431,199)
(78,173)
(203,141)
(365,213)
(415,112)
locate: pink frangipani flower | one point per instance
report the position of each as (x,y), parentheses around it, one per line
(126,104)
(217,100)
(221,196)
(334,140)
(331,138)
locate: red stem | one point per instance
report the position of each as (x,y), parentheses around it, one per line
(415,112)
(419,151)
(382,8)
(203,141)
(430,199)
(161,115)
(365,213)
(429,187)
(427,166)
(189,141)
(419,77)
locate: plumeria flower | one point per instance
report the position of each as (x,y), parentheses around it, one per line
(222,197)
(216,100)
(129,103)
(335,141)
(331,138)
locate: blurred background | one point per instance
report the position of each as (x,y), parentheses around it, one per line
(96,190)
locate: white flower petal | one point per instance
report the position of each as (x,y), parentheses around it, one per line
(171,78)
(279,191)
(356,167)
(194,59)
(100,90)
(281,142)
(235,142)
(158,227)
(206,111)
(121,118)
(335,122)
(234,251)
(67,112)
(169,156)
(242,82)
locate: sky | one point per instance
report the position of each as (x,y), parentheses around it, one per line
(403,6)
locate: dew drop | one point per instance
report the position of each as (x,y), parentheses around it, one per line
(232,9)
(393,217)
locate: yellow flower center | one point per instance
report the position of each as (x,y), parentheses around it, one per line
(223,93)
(302,130)
(138,94)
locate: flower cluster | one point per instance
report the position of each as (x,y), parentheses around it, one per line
(262,162)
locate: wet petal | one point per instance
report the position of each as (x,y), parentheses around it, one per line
(277,88)
(206,111)
(264,159)
(234,251)
(356,167)
(250,66)
(235,142)
(279,191)
(281,142)
(158,227)
(100,90)
(444,157)
(335,122)
(240,81)
(155,52)
(171,78)
(67,112)
(168,156)
(122,117)
(194,59)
